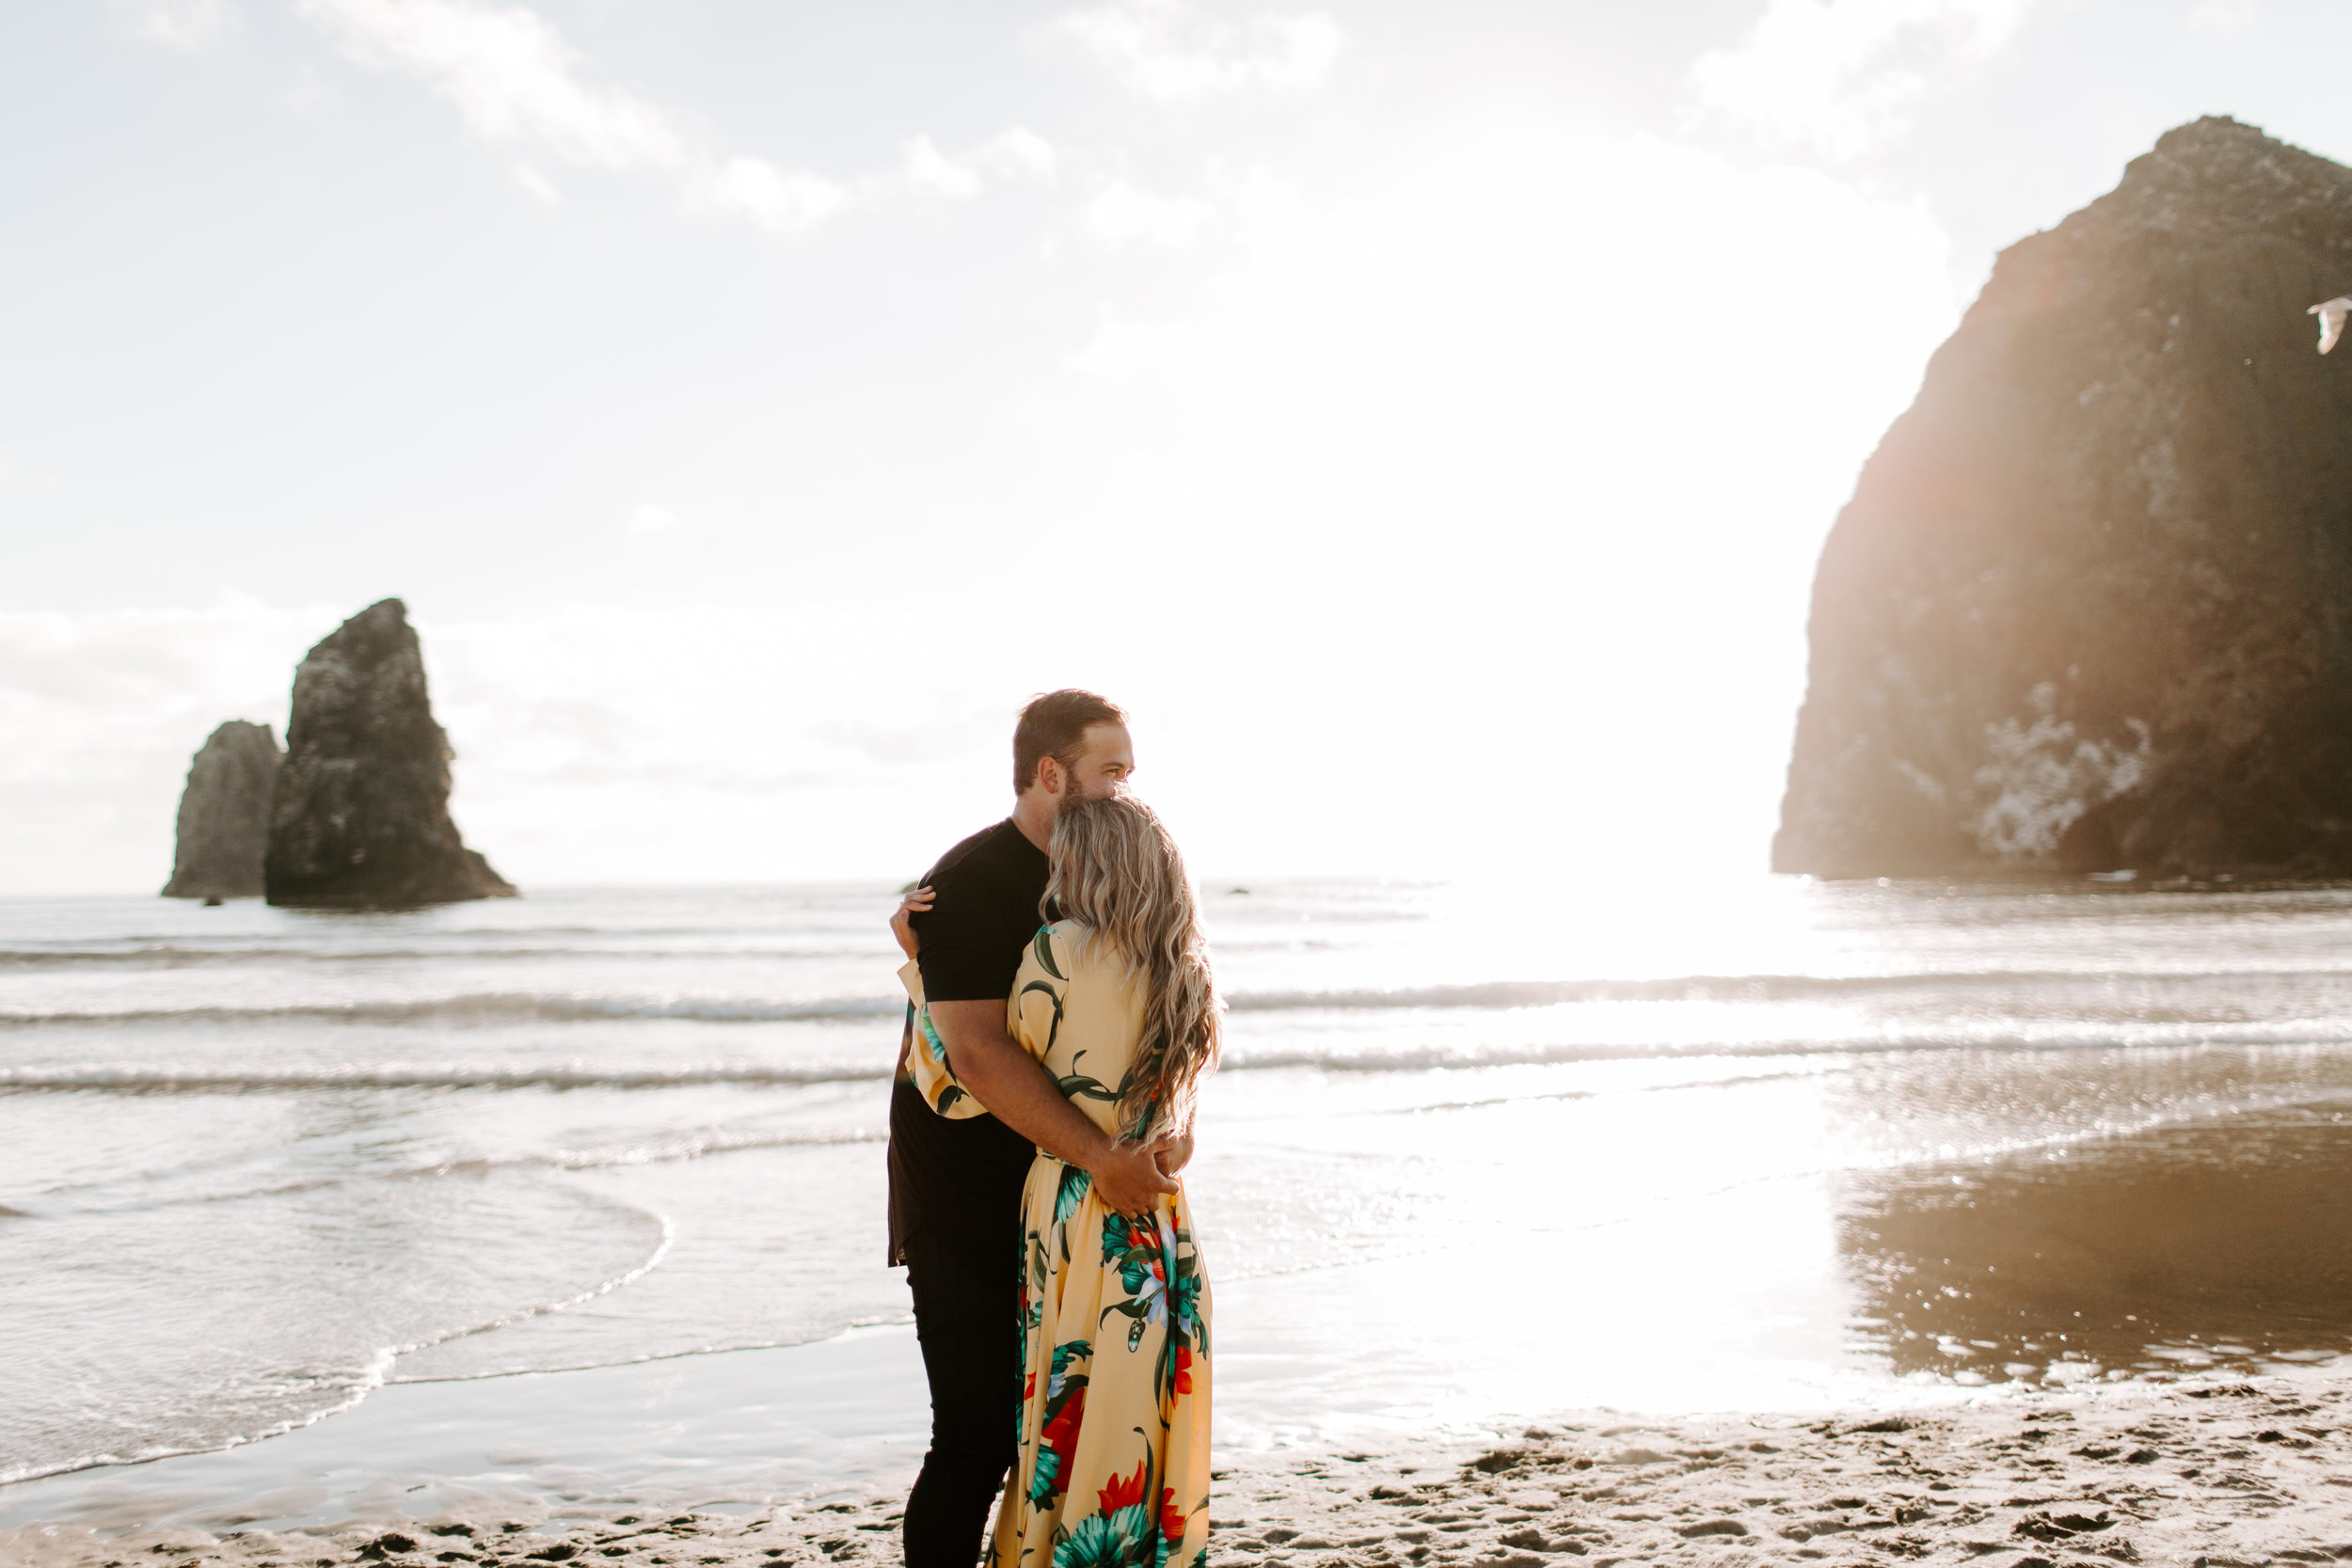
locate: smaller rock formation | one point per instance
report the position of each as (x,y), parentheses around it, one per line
(224,815)
(361,819)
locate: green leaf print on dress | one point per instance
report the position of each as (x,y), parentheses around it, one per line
(1052,995)
(1121,1539)
(925,1057)
(935,1051)
(1072,1191)
(1122,1533)
(1042,946)
(1067,1197)
(1074,1084)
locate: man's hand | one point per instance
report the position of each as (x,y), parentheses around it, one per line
(1129,1177)
(902,923)
(1176,1152)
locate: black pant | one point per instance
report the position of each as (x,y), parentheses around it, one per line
(954,1203)
(966,1316)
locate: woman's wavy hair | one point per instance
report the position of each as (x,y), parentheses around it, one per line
(1117,871)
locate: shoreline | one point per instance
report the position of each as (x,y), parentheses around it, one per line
(2215,1470)
(739,1428)
(2211,1259)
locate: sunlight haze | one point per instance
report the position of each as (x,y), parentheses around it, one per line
(1423,418)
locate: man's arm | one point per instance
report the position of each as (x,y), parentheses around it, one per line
(1015,1089)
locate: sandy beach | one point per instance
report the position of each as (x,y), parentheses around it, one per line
(2211,1472)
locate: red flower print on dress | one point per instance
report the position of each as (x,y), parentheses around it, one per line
(1059,1442)
(1124,1491)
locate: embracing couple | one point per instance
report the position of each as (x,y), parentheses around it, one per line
(1061,1020)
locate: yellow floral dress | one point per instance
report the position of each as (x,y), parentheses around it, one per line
(1113,1470)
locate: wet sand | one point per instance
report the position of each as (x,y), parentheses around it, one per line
(2208,1243)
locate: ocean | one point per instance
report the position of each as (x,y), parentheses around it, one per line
(1474,1151)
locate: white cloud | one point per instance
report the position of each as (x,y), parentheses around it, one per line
(783,200)
(537,185)
(650,519)
(310,94)
(511,76)
(1120,215)
(924,170)
(1172,50)
(2224,16)
(1842,76)
(1017,152)
(177,23)
(926,167)
(517,83)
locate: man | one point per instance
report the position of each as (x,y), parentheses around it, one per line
(955,1185)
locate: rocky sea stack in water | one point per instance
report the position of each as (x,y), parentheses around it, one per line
(362,820)
(2091,607)
(224,815)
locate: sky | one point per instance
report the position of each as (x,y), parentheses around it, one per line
(1423,418)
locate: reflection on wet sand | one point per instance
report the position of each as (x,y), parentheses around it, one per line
(2216,1242)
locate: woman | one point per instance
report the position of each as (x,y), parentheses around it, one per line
(1115,1000)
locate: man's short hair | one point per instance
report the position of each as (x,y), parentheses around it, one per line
(1054,725)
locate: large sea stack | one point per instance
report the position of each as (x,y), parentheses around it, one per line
(224,815)
(2091,607)
(361,819)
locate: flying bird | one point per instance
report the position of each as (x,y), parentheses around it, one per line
(2331,314)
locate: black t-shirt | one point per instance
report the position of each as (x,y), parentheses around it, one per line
(955,1184)
(972,937)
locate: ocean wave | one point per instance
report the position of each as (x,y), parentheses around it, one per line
(1966,988)
(1338,1056)
(343,1386)
(1745,988)
(487,1007)
(2302,1034)
(181,955)
(658,1150)
(142,1078)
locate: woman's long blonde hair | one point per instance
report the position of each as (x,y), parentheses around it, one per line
(1117,871)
